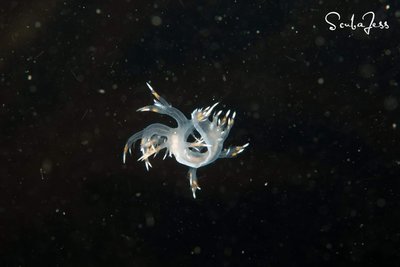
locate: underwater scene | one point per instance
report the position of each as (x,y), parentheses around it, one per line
(199,133)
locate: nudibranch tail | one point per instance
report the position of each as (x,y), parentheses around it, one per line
(195,142)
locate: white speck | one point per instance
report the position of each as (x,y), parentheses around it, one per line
(381,202)
(156,20)
(394,125)
(38,24)
(98,11)
(321,81)
(320,41)
(150,220)
(102,91)
(257,31)
(29,77)
(390,103)
(57,210)
(387,7)
(266,183)
(197,250)
(218,18)
(138,194)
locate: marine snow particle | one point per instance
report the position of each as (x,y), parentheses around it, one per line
(381,202)
(319,41)
(367,70)
(150,221)
(390,103)
(218,18)
(197,250)
(156,20)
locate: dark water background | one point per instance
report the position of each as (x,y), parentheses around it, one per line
(319,184)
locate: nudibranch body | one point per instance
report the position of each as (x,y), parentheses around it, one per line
(195,142)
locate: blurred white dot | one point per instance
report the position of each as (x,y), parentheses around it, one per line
(29,77)
(38,24)
(98,11)
(102,91)
(150,220)
(218,18)
(390,103)
(197,250)
(156,20)
(320,41)
(394,125)
(321,81)
(381,202)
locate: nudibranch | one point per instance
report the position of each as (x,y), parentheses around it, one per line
(195,142)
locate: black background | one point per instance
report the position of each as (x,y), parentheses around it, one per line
(318,184)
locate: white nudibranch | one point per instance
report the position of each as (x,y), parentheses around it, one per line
(196,142)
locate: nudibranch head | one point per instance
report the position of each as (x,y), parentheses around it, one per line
(207,133)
